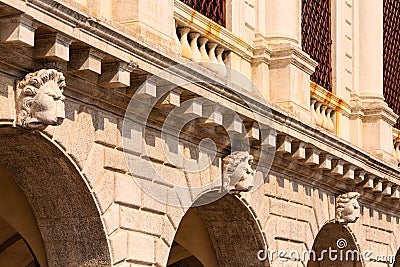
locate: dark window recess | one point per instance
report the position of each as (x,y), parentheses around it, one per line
(212,9)
(316,39)
(391,55)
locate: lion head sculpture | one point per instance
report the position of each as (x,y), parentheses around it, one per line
(347,207)
(40,101)
(238,175)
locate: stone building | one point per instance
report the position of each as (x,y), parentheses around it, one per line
(199,133)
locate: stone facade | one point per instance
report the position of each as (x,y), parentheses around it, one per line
(103,180)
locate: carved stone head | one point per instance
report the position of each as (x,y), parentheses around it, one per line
(41,102)
(238,175)
(347,207)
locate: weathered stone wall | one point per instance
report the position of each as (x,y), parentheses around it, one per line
(140,229)
(7,84)
(298,195)
(292,213)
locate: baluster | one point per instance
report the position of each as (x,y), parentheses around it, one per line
(178,42)
(334,120)
(313,113)
(329,115)
(397,151)
(203,51)
(186,50)
(196,56)
(318,113)
(213,59)
(221,67)
(324,122)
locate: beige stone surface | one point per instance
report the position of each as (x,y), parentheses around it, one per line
(141,247)
(6,93)
(119,244)
(112,218)
(88,196)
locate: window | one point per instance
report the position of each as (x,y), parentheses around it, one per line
(213,9)
(317,39)
(391,55)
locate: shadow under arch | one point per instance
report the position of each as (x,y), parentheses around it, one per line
(338,239)
(65,211)
(397,259)
(223,233)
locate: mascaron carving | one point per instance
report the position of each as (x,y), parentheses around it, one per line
(238,175)
(40,100)
(347,207)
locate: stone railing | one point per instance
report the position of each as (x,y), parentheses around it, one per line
(199,48)
(206,42)
(326,108)
(396,144)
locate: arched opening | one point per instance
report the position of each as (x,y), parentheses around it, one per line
(334,246)
(220,234)
(47,213)
(21,243)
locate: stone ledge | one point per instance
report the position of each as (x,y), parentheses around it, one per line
(285,54)
(378,110)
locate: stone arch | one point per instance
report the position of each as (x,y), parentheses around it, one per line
(64,209)
(231,235)
(337,237)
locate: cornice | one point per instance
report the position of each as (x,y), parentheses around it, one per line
(285,54)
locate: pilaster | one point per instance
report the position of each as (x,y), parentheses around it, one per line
(378,117)
(290,69)
(283,21)
(377,128)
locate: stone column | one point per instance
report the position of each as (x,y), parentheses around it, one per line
(260,68)
(290,68)
(235,17)
(378,118)
(371,48)
(283,21)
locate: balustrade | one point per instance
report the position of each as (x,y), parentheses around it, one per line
(396,144)
(199,48)
(327,110)
(323,115)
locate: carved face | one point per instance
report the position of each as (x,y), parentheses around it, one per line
(247,180)
(347,207)
(242,176)
(351,211)
(47,107)
(40,101)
